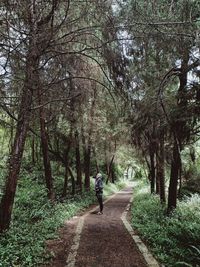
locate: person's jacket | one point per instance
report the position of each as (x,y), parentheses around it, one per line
(98,186)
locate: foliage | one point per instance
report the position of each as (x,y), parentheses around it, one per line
(113,188)
(191,176)
(172,239)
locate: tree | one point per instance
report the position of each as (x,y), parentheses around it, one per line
(152,52)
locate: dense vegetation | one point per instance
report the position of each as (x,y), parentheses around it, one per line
(174,240)
(83,91)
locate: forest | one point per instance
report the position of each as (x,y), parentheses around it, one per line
(99,86)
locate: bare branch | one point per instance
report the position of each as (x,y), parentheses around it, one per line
(55,100)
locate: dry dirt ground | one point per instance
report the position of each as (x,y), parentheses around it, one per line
(100,241)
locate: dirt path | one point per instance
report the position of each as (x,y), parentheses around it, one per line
(92,240)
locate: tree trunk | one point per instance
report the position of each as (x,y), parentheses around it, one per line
(73,180)
(162,170)
(45,152)
(157,177)
(11,135)
(175,168)
(96,161)
(86,155)
(78,161)
(66,164)
(113,174)
(160,174)
(64,193)
(87,158)
(7,200)
(180,178)
(106,165)
(33,150)
(110,169)
(179,131)
(152,169)
(87,152)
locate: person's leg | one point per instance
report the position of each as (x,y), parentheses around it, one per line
(101,203)
(100,200)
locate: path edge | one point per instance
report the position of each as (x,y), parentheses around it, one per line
(148,257)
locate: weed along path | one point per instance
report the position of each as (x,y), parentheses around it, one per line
(107,240)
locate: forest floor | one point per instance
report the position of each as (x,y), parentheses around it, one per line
(91,240)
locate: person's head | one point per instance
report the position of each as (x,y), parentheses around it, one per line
(99,176)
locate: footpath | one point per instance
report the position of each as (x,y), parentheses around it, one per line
(91,240)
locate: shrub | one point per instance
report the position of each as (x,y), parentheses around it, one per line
(174,240)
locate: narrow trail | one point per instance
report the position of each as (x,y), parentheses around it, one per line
(92,240)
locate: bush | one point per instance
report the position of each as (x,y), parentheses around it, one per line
(191,181)
(174,240)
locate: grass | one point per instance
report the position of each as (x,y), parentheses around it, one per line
(174,240)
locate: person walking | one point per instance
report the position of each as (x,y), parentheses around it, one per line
(99,192)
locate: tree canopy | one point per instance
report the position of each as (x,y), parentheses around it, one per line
(89,86)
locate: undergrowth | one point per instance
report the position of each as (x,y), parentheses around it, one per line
(174,240)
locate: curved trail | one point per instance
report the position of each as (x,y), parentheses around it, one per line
(106,240)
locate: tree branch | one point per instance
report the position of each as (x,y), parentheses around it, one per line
(55,100)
